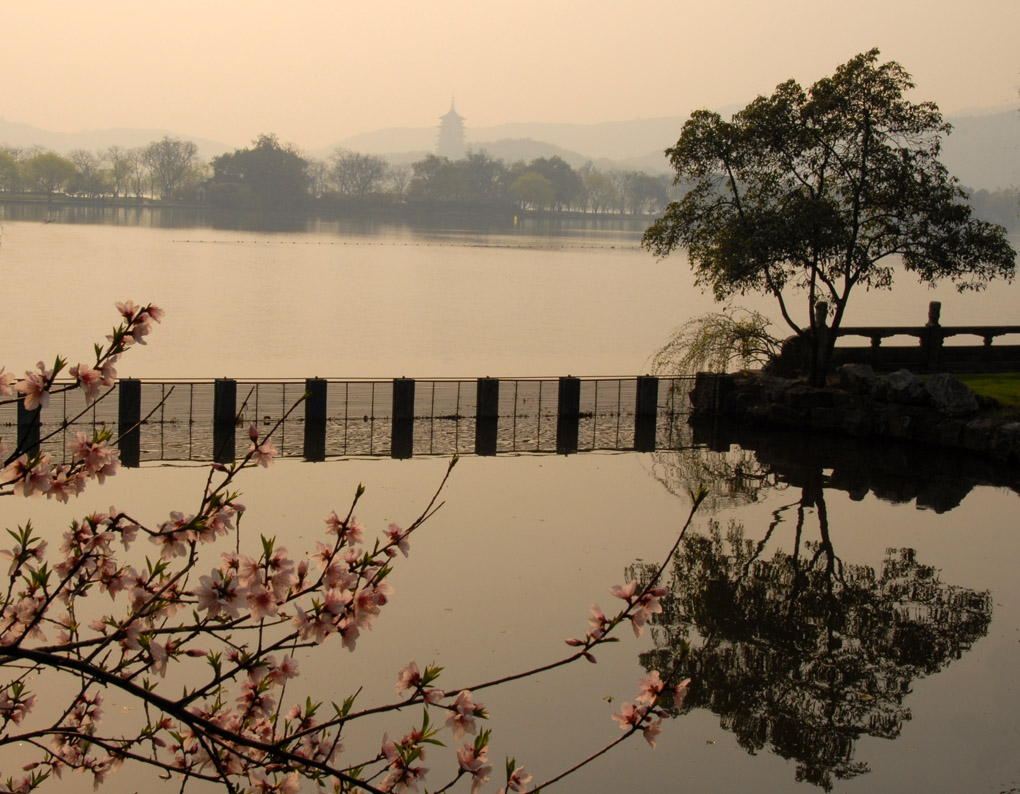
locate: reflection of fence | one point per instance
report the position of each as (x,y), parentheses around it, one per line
(208,420)
(931,353)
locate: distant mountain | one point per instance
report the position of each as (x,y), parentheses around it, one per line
(17,134)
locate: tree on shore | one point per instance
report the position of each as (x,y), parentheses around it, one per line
(265,176)
(533,190)
(49,172)
(819,191)
(357,175)
(10,174)
(171,161)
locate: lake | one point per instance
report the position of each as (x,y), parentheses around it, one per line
(903,667)
(399,301)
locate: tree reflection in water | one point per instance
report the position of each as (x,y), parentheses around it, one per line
(804,652)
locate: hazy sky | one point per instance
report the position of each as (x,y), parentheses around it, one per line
(317,71)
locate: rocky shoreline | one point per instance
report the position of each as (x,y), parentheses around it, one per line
(859,403)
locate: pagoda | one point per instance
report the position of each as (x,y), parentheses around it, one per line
(451,135)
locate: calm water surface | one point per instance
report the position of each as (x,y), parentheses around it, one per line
(903,667)
(417,303)
(509,567)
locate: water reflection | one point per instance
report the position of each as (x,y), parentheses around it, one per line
(799,650)
(740,464)
(397,221)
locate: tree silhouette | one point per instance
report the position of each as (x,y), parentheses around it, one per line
(804,653)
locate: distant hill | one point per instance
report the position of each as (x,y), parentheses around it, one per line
(16,134)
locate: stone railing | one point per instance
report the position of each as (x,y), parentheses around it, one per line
(931,353)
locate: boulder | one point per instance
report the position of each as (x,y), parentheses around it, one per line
(901,387)
(951,396)
(857,378)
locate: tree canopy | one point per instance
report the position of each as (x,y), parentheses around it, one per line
(823,190)
(265,176)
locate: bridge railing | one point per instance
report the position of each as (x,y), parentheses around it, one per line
(205,420)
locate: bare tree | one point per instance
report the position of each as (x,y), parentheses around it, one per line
(171,161)
(90,181)
(318,176)
(357,175)
(398,177)
(121,166)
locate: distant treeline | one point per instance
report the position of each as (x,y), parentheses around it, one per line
(269,176)
(272,177)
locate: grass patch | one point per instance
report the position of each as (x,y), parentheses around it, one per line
(1003,386)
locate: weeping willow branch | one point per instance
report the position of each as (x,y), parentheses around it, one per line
(718,342)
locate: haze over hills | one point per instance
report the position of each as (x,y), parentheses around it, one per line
(14,133)
(983,150)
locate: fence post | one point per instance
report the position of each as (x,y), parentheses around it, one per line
(224,419)
(931,342)
(28,428)
(315,419)
(129,416)
(402,428)
(646,411)
(568,414)
(486,416)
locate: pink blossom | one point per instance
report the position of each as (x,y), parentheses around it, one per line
(462,713)
(626,592)
(652,729)
(651,687)
(218,594)
(6,379)
(260,602)
(282,574)
(598,622)
(630,715)
(408,678)
(284,671)
(263,453)
(398,538)
(89,380)
(349,632)
(160,657)
(352,532)
(61,488)
(98,457)
(33,481)
(518,781)
(109,371)
(434,696)
(15,708)
(35,387)
(646,606)
(128,309)
(476,763)
(680,693)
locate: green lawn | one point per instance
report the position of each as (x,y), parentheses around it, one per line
(1004,387)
